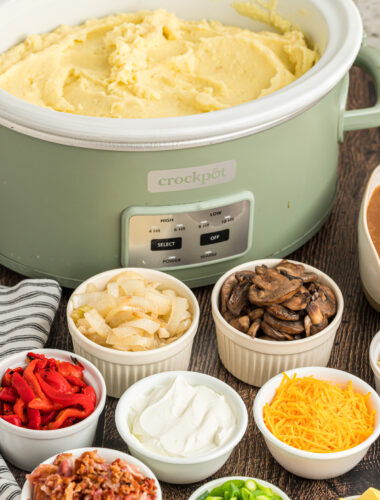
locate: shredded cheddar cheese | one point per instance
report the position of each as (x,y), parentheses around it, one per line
(318,416)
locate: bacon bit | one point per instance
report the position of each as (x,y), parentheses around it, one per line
(90,477)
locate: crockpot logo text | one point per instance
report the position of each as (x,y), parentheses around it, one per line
(181,179)
(194,178)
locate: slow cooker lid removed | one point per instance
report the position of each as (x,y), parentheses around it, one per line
(335,25)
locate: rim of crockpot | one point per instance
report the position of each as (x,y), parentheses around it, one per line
(78,451)
(240,335)
(58,433)
(374,354)
(133,355)
(148,134)
(221,480)
(367,198)
(258,416)
(234,398)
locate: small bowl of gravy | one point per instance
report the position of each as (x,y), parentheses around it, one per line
(369,240)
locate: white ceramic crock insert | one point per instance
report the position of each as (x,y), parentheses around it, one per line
(325,22)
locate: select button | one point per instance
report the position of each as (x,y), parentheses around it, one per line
(217,237)
(166,244)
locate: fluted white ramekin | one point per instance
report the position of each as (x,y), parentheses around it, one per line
(254,361)
(121,369)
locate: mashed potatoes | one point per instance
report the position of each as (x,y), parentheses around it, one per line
(152,64)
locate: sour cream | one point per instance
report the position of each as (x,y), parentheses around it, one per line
(182,420)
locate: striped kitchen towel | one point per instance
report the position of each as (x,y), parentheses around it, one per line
(27,311)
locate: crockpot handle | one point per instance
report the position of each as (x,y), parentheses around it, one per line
(369,60)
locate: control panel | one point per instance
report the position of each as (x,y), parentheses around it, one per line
(187,235)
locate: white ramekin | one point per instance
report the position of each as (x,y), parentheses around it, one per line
(308,464)
(26,448)
(374,357)
(106,453)
(120,368)
(254,361)
(217,482)
(181,470)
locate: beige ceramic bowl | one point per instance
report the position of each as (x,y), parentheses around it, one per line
(369,261)
(255,361)
(121,369)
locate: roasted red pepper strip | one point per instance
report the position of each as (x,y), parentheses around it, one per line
(44,405)
(22,387)
(41,402)
(35,355)
(7,408)
(19,409)
(68,413)
(85,401)
(76,381)
(69,370)
(90,392)
(56,380)
(30,377)
(12,419)
(8,394)
(48,417)
(7,377)
(34,419)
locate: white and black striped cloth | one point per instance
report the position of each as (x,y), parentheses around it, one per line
(27,311)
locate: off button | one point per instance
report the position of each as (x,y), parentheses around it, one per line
(217,237)
(166,244)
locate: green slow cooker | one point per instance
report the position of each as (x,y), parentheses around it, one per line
(193,195)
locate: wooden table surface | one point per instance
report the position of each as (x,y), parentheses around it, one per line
(333,250)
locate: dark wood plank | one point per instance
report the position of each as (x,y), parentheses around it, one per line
(333,250)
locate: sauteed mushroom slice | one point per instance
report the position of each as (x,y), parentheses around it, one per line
(241,324)
(326,300)
(272,287)
(315,313)
(299,300)
(238,298)
(290,327)
(296,271)
(321,326)
(271,332)
(226,291)
(281,312)
(228,316)
(307,323)
(318,319)
(256,313)
(254,328)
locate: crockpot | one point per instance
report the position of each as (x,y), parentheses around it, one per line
(193,195)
